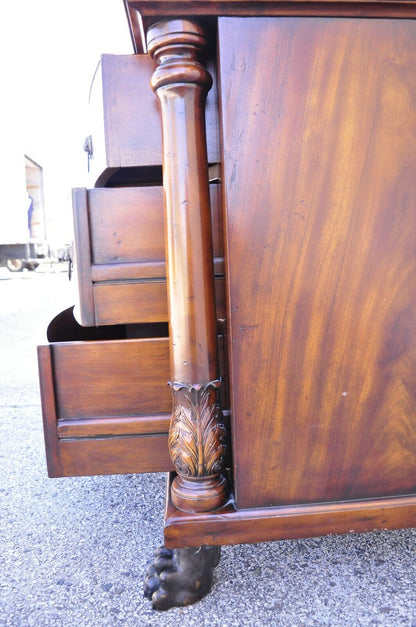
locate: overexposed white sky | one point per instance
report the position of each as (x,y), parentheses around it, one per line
(49,51)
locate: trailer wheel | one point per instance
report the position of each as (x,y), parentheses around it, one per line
(14,265)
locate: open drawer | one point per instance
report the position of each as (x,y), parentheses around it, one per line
(120,255)
(125,125)
(105,402)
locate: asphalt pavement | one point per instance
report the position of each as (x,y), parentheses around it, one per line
(73,551)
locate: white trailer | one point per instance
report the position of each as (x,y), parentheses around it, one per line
(22,220)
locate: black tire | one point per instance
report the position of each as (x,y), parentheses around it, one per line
(15,265)
(32,266)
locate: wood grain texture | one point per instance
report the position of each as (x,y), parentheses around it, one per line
(319,120)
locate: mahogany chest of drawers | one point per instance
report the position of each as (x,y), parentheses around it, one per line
(289,285)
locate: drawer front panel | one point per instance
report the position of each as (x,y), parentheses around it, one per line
(132,139)
(120,255)
(135,302)
(126,225)
(111,378)
(112,456)
(106,406)
(139,302)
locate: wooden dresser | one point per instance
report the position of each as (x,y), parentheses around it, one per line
(271,280)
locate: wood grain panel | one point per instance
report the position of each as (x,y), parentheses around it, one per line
(319,121)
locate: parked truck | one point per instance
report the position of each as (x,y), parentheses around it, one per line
(23,240)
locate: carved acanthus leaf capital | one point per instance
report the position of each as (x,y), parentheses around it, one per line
(197,435)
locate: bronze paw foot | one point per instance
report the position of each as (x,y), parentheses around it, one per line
(180,577)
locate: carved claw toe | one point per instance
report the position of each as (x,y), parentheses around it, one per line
(180,577)
(163,561)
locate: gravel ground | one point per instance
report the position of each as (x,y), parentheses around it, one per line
(73,551)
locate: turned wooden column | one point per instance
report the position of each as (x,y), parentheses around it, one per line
(196,435)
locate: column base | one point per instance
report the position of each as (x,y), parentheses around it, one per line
(199,494)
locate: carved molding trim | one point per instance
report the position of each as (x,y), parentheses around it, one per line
(178,46)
